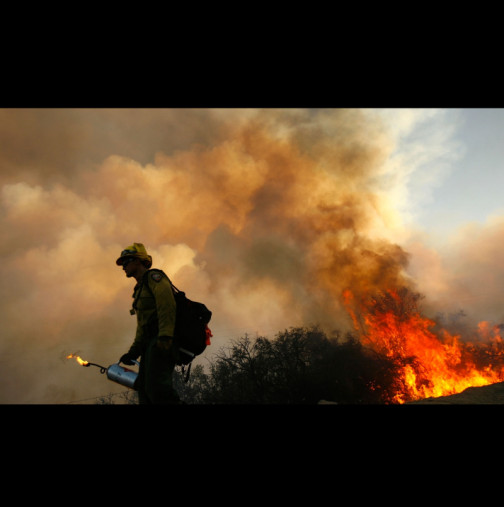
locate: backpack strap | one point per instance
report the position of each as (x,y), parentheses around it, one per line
(174,289)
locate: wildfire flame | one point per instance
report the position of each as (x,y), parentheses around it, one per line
(427,363)
(78,359)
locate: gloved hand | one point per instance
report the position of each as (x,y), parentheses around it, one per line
(127,359)
(164,343)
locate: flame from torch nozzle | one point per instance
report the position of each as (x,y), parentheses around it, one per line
(78,359)
(82,362)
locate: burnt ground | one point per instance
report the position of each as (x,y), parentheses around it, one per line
(492,394)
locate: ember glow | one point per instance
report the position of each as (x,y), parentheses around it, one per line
(78,359)
(427,361)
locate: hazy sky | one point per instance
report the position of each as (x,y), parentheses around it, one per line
(472,188)
(264,215)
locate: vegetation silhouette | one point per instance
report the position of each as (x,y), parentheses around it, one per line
(301,365)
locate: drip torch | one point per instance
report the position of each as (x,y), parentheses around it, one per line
(115,372)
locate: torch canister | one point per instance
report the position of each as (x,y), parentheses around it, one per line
(121,375)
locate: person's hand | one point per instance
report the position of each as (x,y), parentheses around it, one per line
(164,343)
(127,359)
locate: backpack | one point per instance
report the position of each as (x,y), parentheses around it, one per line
(192,334)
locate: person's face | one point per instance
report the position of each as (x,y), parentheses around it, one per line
(130,265)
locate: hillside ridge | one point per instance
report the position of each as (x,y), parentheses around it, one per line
(492,394)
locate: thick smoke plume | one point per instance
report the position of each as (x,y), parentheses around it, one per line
(266,216)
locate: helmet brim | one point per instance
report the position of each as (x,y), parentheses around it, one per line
(121,259)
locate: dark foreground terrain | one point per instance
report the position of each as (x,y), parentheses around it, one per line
(492,394)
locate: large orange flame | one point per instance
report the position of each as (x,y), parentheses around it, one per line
(428,363)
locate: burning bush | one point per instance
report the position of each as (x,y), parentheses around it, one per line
(429,360)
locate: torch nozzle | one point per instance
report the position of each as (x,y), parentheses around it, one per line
(103,369)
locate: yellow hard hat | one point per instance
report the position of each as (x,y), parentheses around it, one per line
(135,250)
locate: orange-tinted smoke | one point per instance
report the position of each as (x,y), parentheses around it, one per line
(266,216)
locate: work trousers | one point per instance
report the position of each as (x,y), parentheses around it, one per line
(155,376)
